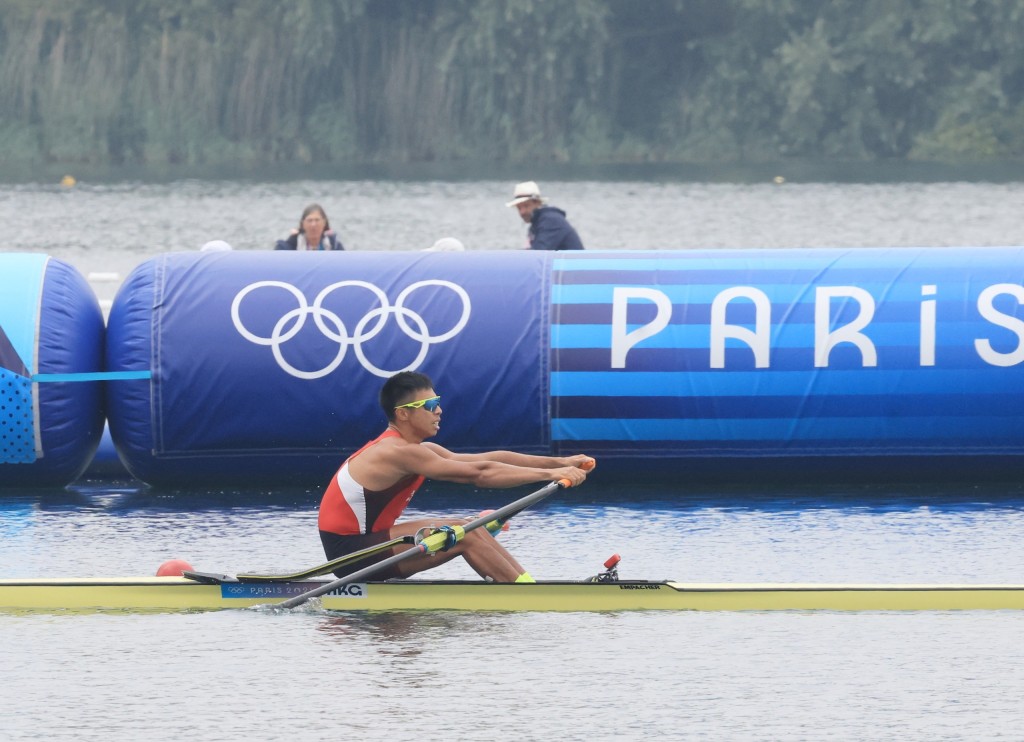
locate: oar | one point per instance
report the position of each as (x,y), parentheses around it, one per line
(322,569)
(430,544)
(498,524)
(356,556)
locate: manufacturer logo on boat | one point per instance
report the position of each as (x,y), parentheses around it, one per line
(369,327)
(627,586)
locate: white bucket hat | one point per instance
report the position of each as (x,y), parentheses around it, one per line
(524,192)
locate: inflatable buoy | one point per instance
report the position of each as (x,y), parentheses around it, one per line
(51,350)
(803,362)
(173,568)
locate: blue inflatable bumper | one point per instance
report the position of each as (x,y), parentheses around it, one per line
(51,348)
(266,366)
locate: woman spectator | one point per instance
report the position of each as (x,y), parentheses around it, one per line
(314,233)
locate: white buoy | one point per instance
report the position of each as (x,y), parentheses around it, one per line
(104,277)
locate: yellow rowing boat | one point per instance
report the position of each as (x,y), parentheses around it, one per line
(184,594)
(187,590)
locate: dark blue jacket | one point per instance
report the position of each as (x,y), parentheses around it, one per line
(549,230)
(329,241)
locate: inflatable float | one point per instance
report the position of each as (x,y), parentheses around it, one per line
(51,357)
(264,368)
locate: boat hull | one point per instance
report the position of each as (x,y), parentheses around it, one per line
(181,594)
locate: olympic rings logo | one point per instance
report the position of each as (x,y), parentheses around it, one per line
(333,328)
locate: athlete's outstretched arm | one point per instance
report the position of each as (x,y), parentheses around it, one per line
(517,459)
(436,462)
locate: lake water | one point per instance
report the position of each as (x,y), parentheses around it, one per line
(112,227)
(313,675)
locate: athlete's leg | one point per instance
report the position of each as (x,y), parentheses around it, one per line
(480,549)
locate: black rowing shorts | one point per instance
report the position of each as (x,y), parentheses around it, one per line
(336,545)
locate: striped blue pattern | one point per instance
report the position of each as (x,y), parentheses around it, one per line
(668,400)
(92,376)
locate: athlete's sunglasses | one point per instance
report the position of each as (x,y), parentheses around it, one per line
(430,403)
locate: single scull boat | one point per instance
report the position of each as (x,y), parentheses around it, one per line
(184,594)
(201,591)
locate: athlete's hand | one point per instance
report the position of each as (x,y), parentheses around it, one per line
(580,461)
(571,474)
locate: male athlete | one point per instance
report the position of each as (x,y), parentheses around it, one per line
(375,484)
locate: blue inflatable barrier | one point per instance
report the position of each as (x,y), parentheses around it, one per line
(51,355)
(266,366)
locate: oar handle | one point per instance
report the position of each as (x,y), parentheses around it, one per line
(587,464)
(496,521)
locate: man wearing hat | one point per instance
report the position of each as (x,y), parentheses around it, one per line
(549,229)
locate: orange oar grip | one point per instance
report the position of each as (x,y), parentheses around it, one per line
(588,465)
(564,483)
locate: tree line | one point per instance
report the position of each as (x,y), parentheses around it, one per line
(581,81)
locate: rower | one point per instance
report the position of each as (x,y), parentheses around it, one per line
(369,493)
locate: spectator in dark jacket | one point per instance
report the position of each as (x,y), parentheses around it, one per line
(549,229)
(314,233)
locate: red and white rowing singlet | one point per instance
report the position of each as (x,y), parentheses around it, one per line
(348,508)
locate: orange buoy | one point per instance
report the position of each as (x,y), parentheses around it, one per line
(173,568)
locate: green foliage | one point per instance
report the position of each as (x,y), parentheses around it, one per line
(255,81)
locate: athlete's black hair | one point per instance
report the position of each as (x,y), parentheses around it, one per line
(400,386)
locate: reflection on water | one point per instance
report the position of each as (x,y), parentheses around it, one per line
(241,675)
(404,632)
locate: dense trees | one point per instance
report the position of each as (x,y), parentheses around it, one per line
(573,80)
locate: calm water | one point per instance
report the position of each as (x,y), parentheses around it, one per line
(311,675)
(111,228)
(315,675)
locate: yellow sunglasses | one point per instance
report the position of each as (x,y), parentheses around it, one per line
(430,403)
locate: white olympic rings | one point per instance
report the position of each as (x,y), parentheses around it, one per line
(333,328)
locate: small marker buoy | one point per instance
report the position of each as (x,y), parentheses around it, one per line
(68,181)
(173,568)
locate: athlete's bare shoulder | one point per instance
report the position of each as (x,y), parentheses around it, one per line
(382,464)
